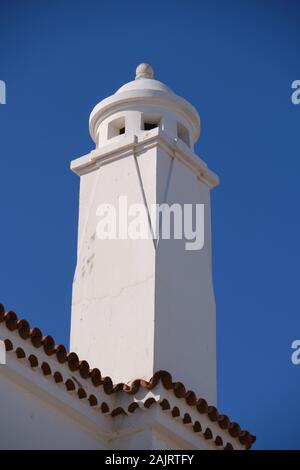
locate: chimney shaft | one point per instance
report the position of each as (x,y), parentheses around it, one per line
(140,305)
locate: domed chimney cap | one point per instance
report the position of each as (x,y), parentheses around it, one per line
(144,71)
(144,91)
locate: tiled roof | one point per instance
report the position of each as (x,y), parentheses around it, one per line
(73,363)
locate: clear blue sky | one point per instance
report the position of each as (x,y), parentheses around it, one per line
(235,61)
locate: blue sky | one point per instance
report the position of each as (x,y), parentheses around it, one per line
(235,61)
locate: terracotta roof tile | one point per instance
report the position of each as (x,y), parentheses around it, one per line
(70,385)
(93,400)
(175,412)
(197,427)
(8,345)
(33,360)
(20,353)
(132,407)
(96,377)
(150,401)
(186,419)
(208,433)
(58,377)
(165,405)
(104,408)
(46,368)
(118,411)
(228,446)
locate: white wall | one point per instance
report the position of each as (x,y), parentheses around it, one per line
(185,323)
(113,290)
(27,421)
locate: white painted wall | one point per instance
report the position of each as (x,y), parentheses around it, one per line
(113,291)
(185,323)
(30,421)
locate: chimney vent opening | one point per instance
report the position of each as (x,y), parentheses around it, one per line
(150,122)
(116,127)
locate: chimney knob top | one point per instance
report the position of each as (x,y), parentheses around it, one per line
(144,71)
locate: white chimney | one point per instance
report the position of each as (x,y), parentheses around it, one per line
(146,304)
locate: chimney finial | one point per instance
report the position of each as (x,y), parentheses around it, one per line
(144,71)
